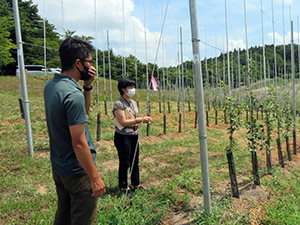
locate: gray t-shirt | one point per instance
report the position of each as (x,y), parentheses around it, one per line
(131,106)
(64,107)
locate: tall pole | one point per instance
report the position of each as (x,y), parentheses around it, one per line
(256,73)
(23,76)
(179,76)
(227,46)
(263,43)
(232,69)
(45,52)
(269,73)
(182,74)
(97,77)
(275,64)
(277,100)
(253,152)
(239,71)
(298,51)
(145,34)
(224,60)
(206,72)
(294,92)
(284,55)
(135,67)
(96,38)
(167,84)
(63,20)
(164,82)
(212,76)
(179,83)
(123,33)
(223,69)
(178,69)
(109,72)
(200,105)
(104,76)
(247,58)
(216,52)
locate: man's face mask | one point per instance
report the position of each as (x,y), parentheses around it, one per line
(84,75)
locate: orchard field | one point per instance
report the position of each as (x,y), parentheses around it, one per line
(169,163)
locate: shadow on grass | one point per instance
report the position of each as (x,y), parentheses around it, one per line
(114,191)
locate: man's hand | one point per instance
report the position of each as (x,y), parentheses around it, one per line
(92,72)
(98,187)
(88,94)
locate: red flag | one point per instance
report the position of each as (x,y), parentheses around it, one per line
(138,95)
(154,84)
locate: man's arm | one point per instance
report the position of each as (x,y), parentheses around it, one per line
(84,157)
(88,100)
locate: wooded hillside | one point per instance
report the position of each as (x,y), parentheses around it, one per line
(33,37)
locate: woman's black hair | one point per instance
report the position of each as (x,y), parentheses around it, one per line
(124,83)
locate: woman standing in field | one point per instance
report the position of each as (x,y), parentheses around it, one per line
(126,111)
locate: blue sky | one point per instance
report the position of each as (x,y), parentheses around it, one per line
(79,15)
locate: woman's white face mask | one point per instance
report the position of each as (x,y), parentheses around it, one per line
(131,92)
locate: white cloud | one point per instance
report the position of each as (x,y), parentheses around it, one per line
(252,6)
(235,44)
(279,38)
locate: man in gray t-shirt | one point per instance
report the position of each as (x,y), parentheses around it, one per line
(77,180)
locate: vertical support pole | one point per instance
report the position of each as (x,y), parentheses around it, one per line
(97,77)
(45,52)
(284,55)
(253,152)
(239,72)
(63,20)
(263,43)
(23,76)
(123,43)
(182,83)
(298,51)
(145,34)
(227,50)
(104,83)
(200,106)
(294,91)
(109,73)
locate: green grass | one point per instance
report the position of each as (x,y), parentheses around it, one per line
(285,208)
(219,215)
(170,167)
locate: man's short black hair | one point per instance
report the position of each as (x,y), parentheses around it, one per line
(124,83)
(71,49)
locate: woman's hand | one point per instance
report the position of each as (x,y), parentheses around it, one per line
(147,119)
